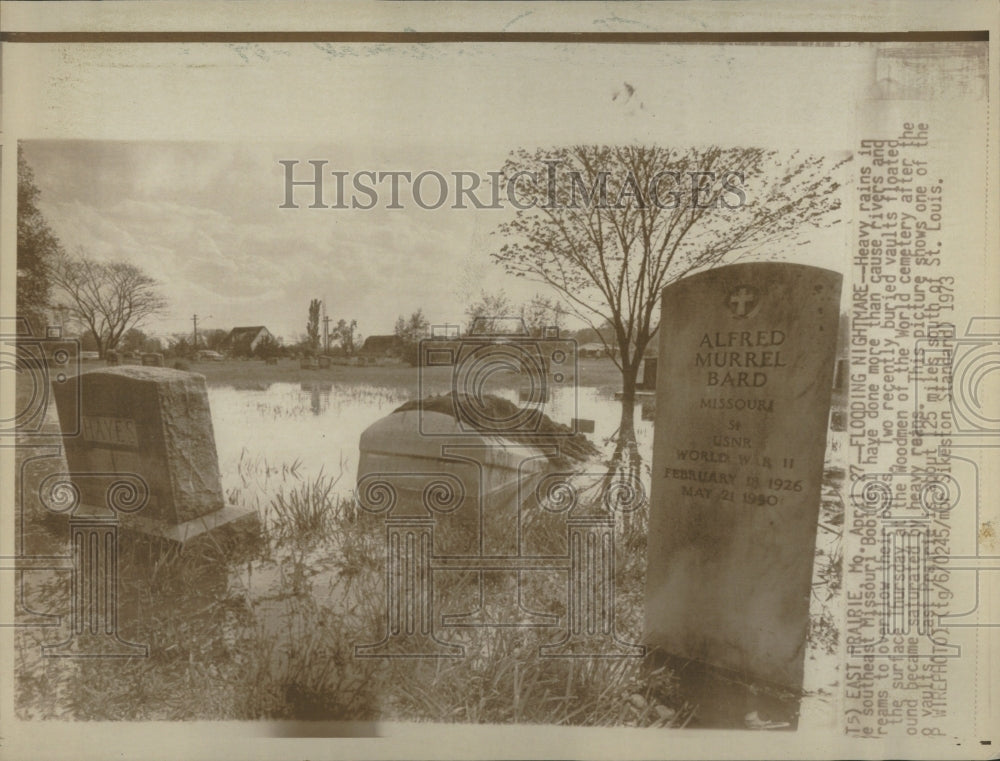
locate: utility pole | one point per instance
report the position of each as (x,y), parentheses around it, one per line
(326,327)
(195,319)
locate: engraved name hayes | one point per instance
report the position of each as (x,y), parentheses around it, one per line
(740,356)
(109,430)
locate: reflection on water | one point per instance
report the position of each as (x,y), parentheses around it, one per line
(303,430)
(319,423)
(319,394)
(279,639)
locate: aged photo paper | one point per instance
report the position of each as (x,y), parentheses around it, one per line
(507,380)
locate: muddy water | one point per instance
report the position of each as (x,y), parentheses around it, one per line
(319,423)
(314,427)
(274,440)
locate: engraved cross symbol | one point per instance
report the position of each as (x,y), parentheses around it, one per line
(742,300)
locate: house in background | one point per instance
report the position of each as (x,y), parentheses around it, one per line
(382,346)
(243,341)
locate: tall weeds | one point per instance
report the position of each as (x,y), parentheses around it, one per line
(270,633)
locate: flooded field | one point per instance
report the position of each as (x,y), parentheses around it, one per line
(268,629)
(318,423)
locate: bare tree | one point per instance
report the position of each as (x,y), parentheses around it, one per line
(488,314)
(107,298)
(494,313)
(607,228)
(542,312)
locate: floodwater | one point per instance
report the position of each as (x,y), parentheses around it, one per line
(318,423)
(276,441)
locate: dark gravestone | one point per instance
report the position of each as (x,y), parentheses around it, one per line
(743,401)
(111,357)
(153,422)
(648,374)
(152,359)
(271,361)
(324,362)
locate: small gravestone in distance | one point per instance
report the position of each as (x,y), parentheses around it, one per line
(152,359)
(153,422)
(648,374)
(111,357)
(746,361)
(271,361)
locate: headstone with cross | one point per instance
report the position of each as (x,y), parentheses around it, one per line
(742,407)
(743,300)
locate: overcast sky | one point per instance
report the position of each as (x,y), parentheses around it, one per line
(204,217)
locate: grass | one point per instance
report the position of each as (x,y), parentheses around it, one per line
(308,509)
(311,672)
(308,671)
(231,645)
(225,648)
(504,682)
(276,639)
(242,630)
